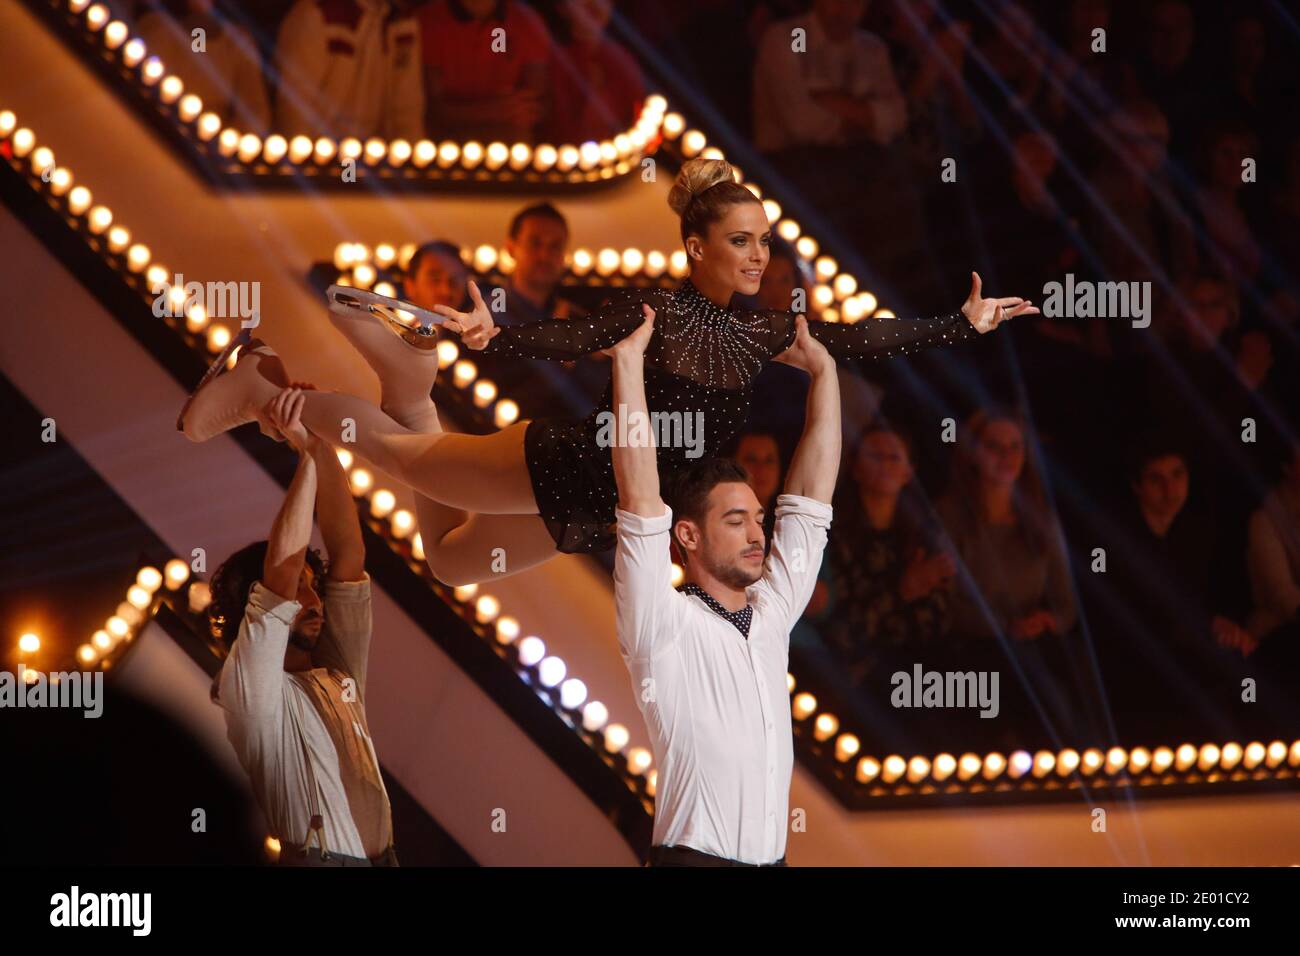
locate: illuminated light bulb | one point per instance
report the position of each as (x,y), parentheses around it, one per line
(632,262)
(402,523)
(176,572)
(588,155)
(1139,758)
(531,650)
(636,140)
(651,782)
(23,142)
(447,352)
(385,255)
(655,264)
(250,146)
(846,747)
(616,738)
(115,34)
(594,715)
(567,159)
(137,257)
(521,154)
(788,230)
(1019,764)
(325,149)
(350,148)
(608,153)
(572,693)
(1185,757)
(119,237)
(133,52)
(139,597)
(544,157)
(844,285)
(42,159)
(638,760)
(678,264)
(117,626)
(994,764)
(424,153)
(382,503)
(190,107)
(884,314)
(102,641)
(448,153)
(1293,755)
(272,847)
(1230,756)
(376,149)
(200,596)
(171,89)
(918,768)
(156,277)
(551,671)
(944,765)
(583,261)
(96,16)
(79,201)
(773,209)
(822,296)
(1208,757)
(61,182)
(209,126)
(853,310)
(86,654)
(1067,762)
(1044,763)
(825,267)
(803,705)
(228,142)
(677,575)
(345,458)
(968,765)
(360,480)
(100,217)
(29,643)
(485,257)
(507,629)
(152,71)
(806,246)
(399,151)
(868,769)
(673,125)
(343,256)
(484,393)
(825,726)
(300,148)
(506,413)
(1161,760)
(417,547)
(364,275)
(196,318)
(218,338)
(1254,755)
(893,767)
(386,288)
(1275,754)
(275,148)
(712,152)
(1116,759)
(789,683)
(7,122)
(486,608)
(464,372)
(497,154)
(607,261)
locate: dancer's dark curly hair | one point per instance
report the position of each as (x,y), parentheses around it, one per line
(232,582)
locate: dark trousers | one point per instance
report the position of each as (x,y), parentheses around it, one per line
(685,856)
(311,856)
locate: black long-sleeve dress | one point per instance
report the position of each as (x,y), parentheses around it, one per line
(701,358)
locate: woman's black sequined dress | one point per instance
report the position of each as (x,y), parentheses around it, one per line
(701,358)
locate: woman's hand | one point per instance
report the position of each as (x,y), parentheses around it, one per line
(805,352)
(282,416)
(476,328)
(635,344)
(987,314)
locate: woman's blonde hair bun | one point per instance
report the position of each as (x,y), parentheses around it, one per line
(695,176)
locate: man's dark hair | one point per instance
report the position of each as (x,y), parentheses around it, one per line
(436,247)
(232,582)
(686,490)
(543,209)
(1149,447)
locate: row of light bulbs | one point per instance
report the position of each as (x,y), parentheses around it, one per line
(836,294)
(1043,764)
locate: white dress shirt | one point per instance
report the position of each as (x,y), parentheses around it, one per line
(716,704)
(302,737)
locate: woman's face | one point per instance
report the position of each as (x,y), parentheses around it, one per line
(735,251)
(762,459)
(1000,456)
(882,466)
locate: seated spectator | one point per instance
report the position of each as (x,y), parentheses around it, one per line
(759,452)
(891,578)
(1274,558)
(1229,240)
(226,72)
(349,68)
(437,275)
(486,70)
(1016,51)
(596,85)
(1168,74)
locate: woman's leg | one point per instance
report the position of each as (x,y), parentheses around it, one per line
(480,473)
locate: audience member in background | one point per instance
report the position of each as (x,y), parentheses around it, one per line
(1167,73)
(1248,93)
(1230,244)
(1083,83)
(1273,557)
(225,72)
(891,579)
(349,68)
(1157,642)
(596,85)
(436,275)
(486,70)
(1016,51)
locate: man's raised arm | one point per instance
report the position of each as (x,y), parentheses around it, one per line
(636,468)
(816,461)
(291,533)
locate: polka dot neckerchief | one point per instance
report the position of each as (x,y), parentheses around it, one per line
(739,618)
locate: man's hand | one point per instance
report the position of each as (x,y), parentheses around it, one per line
(806,352)
(635,344)
(475,328)
(987,314)
(282,416)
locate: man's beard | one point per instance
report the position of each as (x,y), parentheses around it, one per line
(304,639)
(735,576)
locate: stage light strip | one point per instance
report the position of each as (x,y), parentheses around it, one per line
(135,263)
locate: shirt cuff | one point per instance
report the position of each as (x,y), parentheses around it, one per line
(798,504)
(267,601)
(632,523)
(348,590)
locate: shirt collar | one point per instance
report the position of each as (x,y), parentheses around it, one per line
(741,619)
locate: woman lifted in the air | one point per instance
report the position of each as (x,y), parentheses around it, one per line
(547,485)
